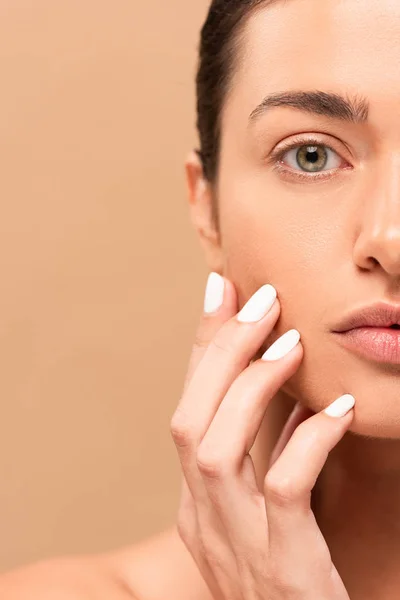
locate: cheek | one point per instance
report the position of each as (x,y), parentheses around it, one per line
(267,241)
(299,251)
(281,233)
(287,249)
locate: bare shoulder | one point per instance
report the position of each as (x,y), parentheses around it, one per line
(161,568)
(69,578)
(156,568)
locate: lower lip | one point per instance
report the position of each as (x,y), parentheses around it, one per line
(381,344)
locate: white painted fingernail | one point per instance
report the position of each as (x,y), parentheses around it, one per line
(341,406)
(214,296)
(259,305)
(282,346)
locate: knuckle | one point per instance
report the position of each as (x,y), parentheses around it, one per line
(201,339)
(210,465)
(210,547)
(185,527)
(285,587)
(182,431)
(216,562)
(224,341)
(305,429)
(281,491)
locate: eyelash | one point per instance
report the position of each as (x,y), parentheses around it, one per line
(277,156)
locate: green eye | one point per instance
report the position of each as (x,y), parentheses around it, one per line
(306,160)
(312,158)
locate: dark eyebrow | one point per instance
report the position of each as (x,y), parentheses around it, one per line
(353,109)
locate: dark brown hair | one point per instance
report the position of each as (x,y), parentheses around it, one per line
(217,62)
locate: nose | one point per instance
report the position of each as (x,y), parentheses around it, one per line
(379,237)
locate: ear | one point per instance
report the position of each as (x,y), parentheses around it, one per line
(201,198)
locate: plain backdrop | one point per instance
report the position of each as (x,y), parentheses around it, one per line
(102,275)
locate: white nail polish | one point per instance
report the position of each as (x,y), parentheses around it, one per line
(259,305)
(341,406)
(282,346)
(214,295)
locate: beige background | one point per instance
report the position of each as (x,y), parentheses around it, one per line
(102,275)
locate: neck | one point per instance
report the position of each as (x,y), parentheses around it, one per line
(356,503)
(357,507)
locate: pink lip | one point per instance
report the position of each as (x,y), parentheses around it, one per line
(380,344)
(380,314)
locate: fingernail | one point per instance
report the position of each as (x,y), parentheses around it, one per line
(341,406)
(282,346)
(259,305)
(214,295)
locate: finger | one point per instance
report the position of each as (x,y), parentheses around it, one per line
(186,517)
(190,527)
(238,419)
(220,304)
(299,414)
(210,322)
(222,452)
(188,530)
(289,482)
(188,520)
(229,352)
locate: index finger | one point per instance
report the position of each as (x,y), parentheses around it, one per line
(220,305)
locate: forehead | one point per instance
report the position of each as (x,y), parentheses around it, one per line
(335,45)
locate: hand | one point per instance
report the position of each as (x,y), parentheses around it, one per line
(250,544)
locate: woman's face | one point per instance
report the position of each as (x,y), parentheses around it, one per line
(326,230)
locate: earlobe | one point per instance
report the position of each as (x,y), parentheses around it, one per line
(201,202)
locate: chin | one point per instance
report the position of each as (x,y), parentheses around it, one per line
(327,371)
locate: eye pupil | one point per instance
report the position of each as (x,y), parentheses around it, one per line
(312,156)
(315,156)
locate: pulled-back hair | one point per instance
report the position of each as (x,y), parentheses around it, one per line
(217,63)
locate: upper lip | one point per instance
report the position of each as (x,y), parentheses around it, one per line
(375,315)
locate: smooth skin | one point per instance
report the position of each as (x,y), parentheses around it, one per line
(248,543)
(328,246)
